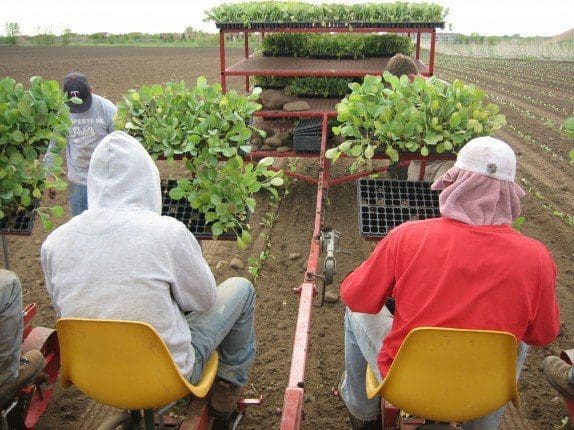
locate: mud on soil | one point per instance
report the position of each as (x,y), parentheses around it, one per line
(113,71)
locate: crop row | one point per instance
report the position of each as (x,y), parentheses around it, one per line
(536,67)
(335,45)
(520,116)
(521,81)
(555,75)
(567,218)
(515,94)
(295,12)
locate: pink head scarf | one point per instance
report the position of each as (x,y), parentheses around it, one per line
(473,191)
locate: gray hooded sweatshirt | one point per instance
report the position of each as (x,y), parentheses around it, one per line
(121,259)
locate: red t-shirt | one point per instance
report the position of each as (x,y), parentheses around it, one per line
(444,273)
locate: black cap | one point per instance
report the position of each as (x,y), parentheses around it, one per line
(76,85)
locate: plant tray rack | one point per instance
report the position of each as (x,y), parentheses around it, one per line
(385,203)
(182,211)
(284,25)
(20,224)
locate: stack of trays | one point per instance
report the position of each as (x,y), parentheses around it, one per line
(385,203)
(307,135)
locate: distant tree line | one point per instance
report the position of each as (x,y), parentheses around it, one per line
(46,37)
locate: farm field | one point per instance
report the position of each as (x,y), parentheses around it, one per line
(535,96)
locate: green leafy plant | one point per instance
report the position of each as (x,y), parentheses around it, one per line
(308,86)
(392,115)
(249,13)
(335,45)
(209,130)
(224,192)
(174,120)
(29,119)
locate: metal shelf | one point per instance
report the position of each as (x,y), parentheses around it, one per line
(257,65)
(318,107)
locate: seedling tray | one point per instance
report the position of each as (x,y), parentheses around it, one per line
(182,211)
(308,126)
(307,143)
(278,25)
(385,203)
(19,224)
(307,135)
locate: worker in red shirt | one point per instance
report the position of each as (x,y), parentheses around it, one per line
(467,269)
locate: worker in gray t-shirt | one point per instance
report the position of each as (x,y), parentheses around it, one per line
(92,120)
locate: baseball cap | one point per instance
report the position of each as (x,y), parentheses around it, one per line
(76,85)
(489,157)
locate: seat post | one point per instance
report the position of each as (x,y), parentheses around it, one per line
(148,419)
(136,419)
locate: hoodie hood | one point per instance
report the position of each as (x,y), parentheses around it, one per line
(122,175)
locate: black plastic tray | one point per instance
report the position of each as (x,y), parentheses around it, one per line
(307,135)
(20,224)
(182,211)
(385,203)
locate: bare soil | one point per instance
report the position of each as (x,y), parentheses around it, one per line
(533,115)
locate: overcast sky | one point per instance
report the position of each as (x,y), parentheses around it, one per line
(486,17)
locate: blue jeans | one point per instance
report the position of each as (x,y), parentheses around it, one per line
(78,196)
(10,325)
(364,336)
(228,328)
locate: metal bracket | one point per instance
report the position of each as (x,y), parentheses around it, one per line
(329,245)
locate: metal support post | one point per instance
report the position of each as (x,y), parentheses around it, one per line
(5,253)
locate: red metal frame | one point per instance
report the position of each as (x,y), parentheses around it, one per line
(33,400)
(224,71)
(292,412)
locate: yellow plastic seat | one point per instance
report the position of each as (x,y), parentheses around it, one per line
(124,364)
(450,375)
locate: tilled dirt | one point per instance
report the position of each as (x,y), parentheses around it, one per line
(533,118)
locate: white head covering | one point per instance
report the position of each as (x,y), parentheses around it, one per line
(480,188)
(489,157)
(122,175)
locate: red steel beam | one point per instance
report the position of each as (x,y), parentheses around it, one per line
(297,114)
(418,52)
(222,61)
(431,55)
(294,394)
(246,55)
(287,73)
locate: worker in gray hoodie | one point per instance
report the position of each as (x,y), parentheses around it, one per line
(92,120)
(120,259)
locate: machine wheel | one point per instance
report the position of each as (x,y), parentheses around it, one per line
(122,420)
(329,271)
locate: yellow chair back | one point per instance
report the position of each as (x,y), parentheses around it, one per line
(450,375)
(124,364)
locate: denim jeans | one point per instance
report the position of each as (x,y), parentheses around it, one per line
(78,197)
(364,336)
(228,328)
(10,325)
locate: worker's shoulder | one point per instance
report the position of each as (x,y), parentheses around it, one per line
(104,103)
